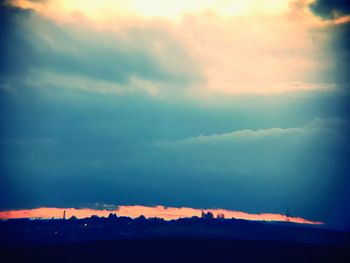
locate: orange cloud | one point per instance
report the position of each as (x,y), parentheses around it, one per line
(155,8)
(167,213)
(241,47)
(240,54)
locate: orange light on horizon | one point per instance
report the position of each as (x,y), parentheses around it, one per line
(167,213)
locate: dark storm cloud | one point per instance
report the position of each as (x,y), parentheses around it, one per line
(336,42)
(11,40)
(75,149)
(331,9)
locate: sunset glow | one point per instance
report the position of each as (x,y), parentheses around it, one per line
(167,213)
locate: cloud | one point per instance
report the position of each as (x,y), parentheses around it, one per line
(271,164)
(241,135)
(317,126)
(153,8)
(255,154)
(330,9)
(170,58)
(264,154)
(45,51)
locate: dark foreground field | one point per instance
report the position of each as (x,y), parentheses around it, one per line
(177,250)
(121,239)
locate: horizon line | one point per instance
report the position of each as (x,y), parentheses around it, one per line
(134,211)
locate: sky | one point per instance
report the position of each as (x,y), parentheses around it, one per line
(237,105)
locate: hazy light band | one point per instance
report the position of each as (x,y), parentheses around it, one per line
(167,213)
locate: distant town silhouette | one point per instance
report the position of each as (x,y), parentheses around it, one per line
(167,213)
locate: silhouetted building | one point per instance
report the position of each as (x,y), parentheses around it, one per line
(208,215)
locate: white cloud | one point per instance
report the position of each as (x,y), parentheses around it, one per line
(317,127)
(246,135)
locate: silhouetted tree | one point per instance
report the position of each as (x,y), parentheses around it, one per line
(141,218)
(112,216)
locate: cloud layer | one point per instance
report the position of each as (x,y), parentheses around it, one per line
(200,54)
(242,111)
(329,9)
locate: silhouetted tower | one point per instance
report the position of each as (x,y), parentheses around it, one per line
(64,214)
(287,215)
